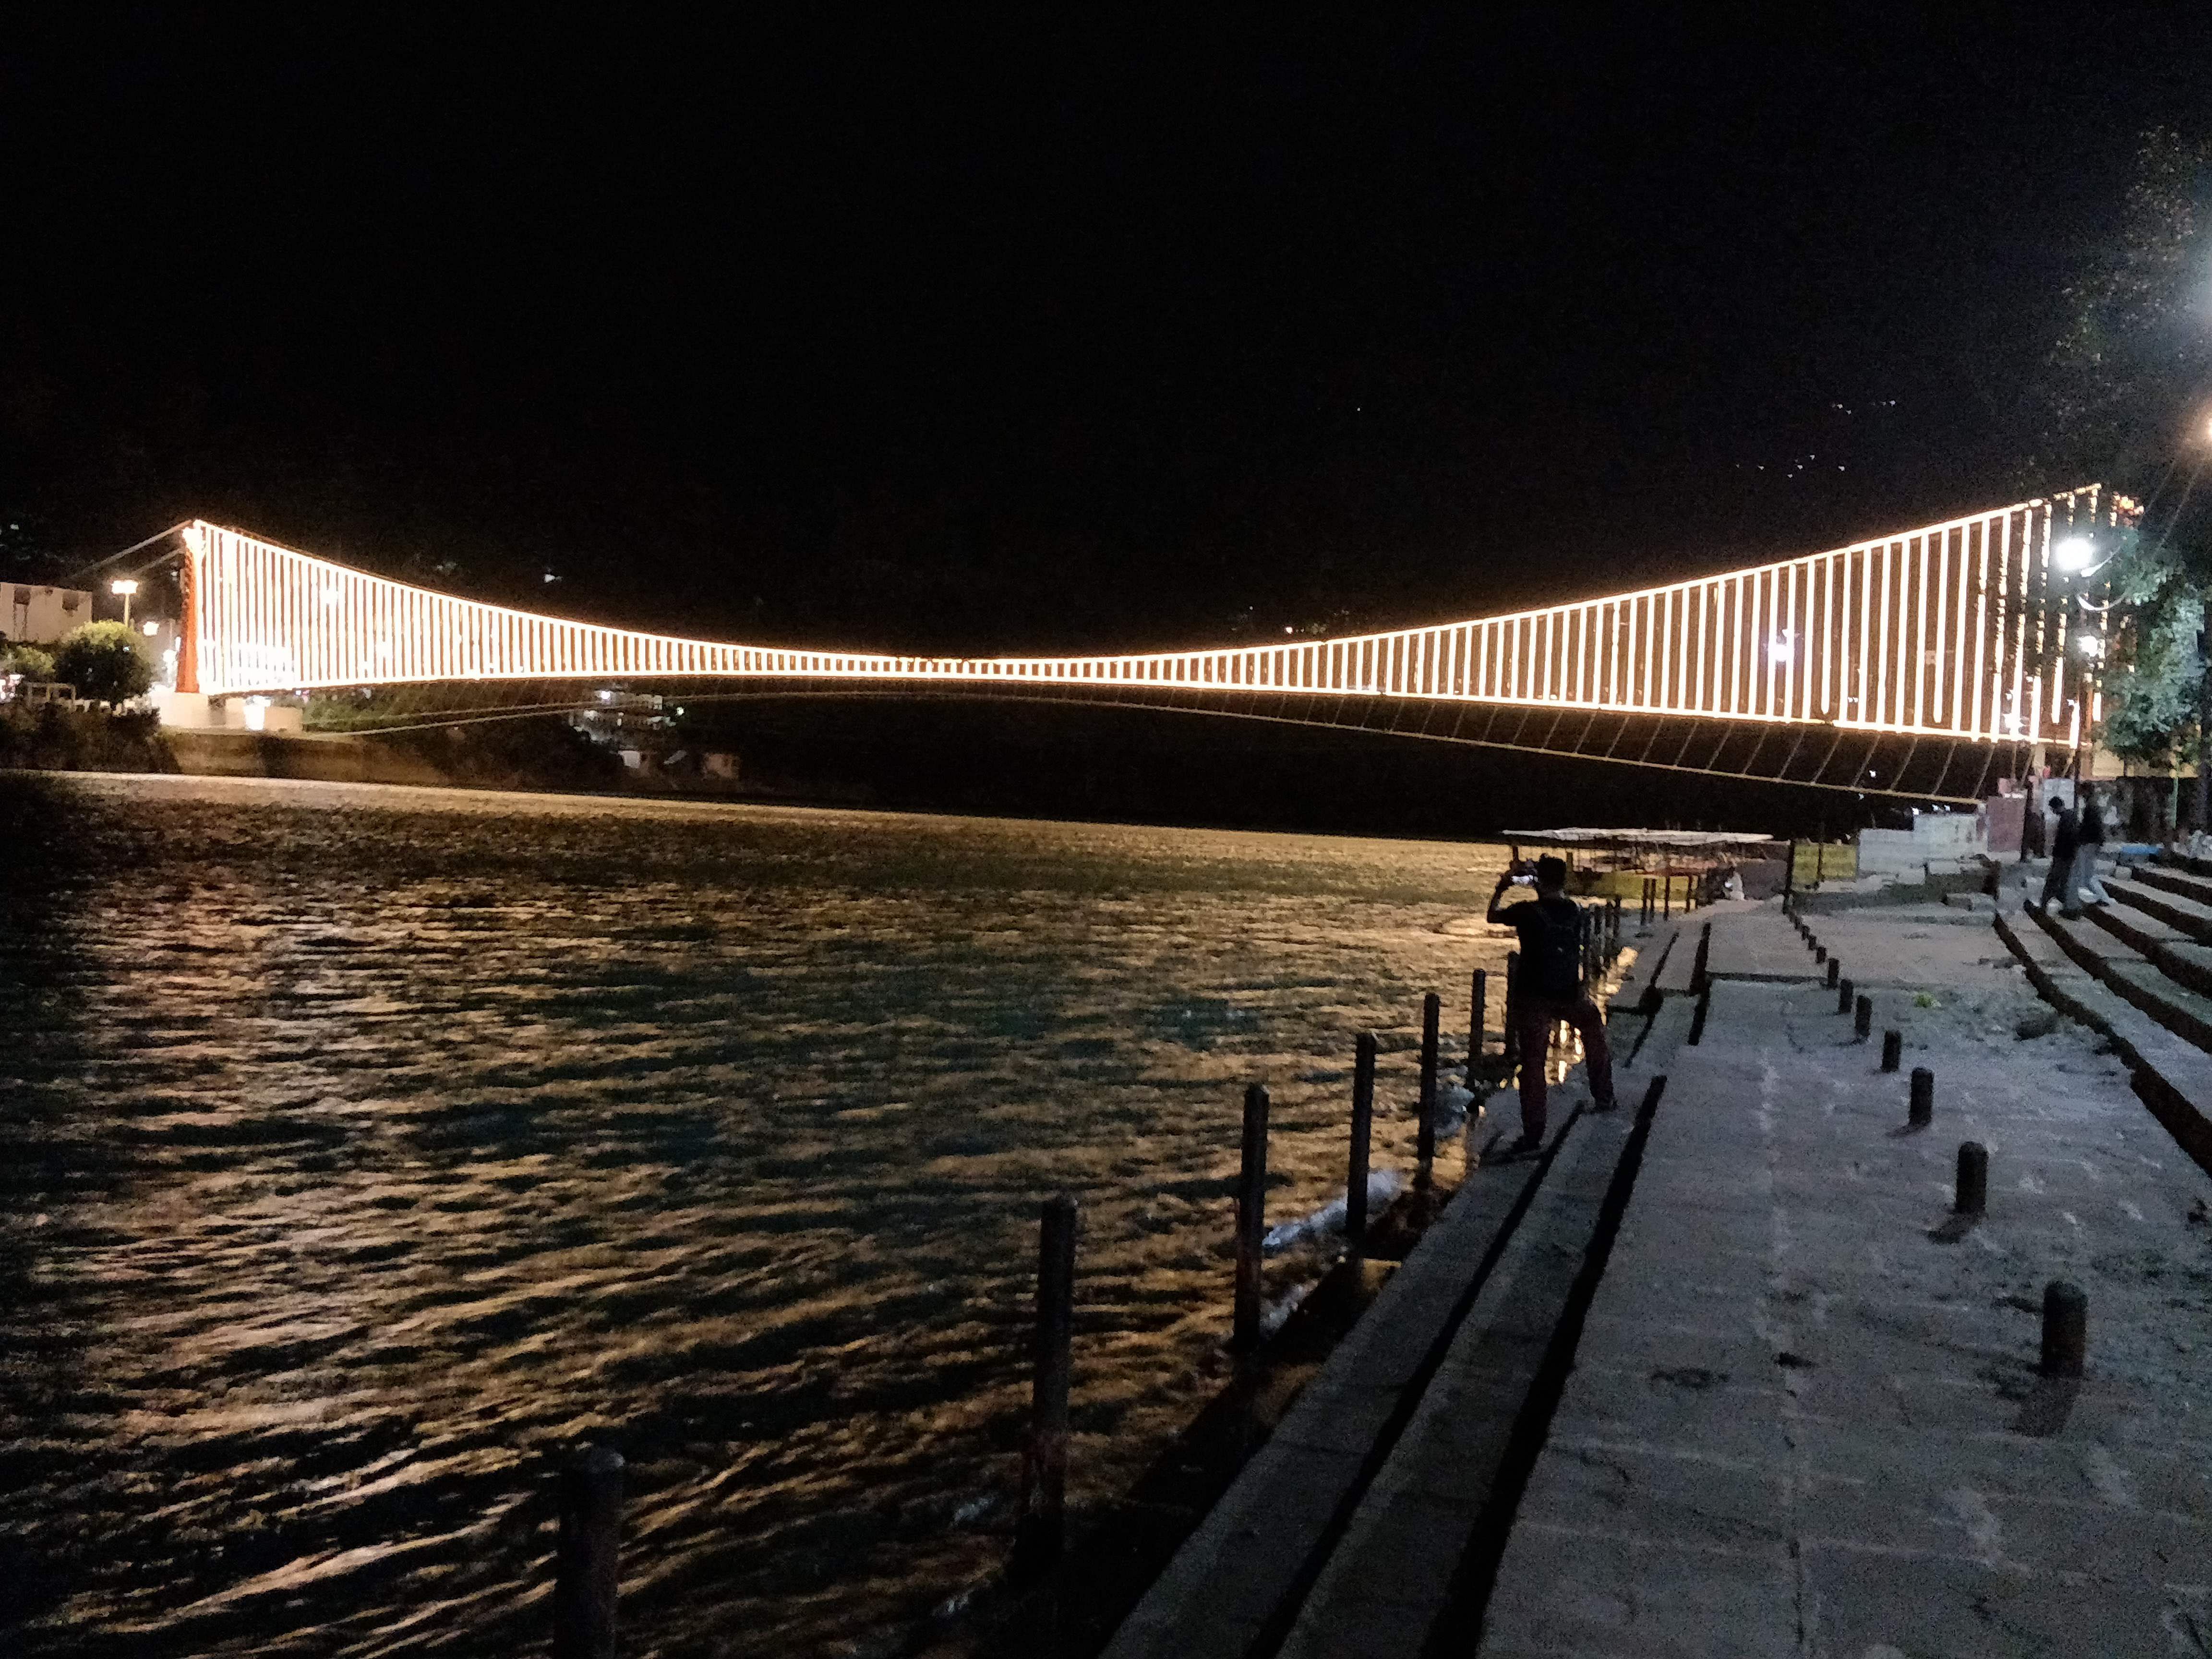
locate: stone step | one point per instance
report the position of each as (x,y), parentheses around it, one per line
(2185,916)
(2172,951)
(2174,860)
(2125,970)
(2182,884)
(2172,1077)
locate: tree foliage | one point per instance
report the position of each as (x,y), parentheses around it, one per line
(2124,396)
(2151,681)
(28,660)
(2134,362)
(102,660)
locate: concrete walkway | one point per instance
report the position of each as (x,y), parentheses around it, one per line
(1772,1398)
(1805,1415)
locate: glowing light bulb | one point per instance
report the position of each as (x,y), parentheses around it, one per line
(2074,553)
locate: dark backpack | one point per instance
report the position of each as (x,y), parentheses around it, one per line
(1551,952)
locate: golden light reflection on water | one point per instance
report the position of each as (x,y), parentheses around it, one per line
(369,1145)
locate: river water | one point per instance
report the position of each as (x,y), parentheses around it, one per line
(363,1147)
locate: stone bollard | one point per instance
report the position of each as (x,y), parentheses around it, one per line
(1363,1129)
(1251,1220)
(1819,953)
(1923,1096)
(1893,1050)
(2065,1328)
(1835,969)
(1970,1192)
(587,1574)
(1040,1524)
(1843,996)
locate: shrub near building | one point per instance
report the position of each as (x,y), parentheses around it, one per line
(102,660)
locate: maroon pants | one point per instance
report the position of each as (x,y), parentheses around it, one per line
(1534,1017)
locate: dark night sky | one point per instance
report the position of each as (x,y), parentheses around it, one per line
(978,333)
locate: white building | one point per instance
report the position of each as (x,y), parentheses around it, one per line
(40,616)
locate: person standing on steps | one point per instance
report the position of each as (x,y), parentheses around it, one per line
(2065,840)
(2089,842)
(1548,989)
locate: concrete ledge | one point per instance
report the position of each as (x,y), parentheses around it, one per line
(334,758)
(1247,1556)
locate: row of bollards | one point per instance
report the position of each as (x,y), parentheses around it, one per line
(2065,1306)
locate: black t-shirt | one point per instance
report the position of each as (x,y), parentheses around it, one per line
(1550,931)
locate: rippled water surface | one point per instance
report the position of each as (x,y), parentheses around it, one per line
(365,1146)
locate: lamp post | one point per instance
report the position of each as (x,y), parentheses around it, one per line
(2079,556)
(123,588)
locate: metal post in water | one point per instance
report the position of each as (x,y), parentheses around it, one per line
(1251,1220)
(1042,1524)
(586,1573)
(1425,1146)
(1363,1129)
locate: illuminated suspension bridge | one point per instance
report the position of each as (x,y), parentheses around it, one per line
(1921,663)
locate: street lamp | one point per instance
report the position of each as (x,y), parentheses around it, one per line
(124,586)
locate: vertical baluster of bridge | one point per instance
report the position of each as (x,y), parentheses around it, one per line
(1919,663)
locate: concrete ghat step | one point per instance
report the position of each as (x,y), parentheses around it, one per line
(2184,916)
(2181,1011)
(2172,1076)
(2181,884)
(2172,860)
(1759,944)
(1392,1573)
(2166,947)
(1639,986)
(1251,1567)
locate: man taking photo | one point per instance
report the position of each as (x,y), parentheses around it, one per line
(1548,989)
